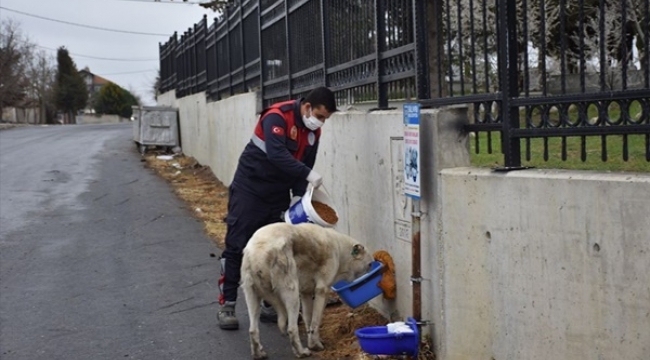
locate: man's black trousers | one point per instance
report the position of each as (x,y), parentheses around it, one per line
(246,214)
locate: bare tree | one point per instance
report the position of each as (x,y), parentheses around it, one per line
(470,39)
(135,94)
(608,37)
(567,30)
(639,17)
(14,59)
(41,72)
(618,21)
(155,87)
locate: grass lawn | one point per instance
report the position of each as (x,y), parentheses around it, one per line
(614,144)
(636,153)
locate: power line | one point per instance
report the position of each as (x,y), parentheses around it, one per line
(82,25)
(99,58)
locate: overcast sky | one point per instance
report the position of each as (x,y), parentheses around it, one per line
(141,16)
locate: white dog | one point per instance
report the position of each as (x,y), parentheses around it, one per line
(285,264)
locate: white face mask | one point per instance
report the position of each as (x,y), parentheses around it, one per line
(311,122)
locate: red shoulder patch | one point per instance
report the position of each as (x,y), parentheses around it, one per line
(277,130)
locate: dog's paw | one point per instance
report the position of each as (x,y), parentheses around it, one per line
(261,355)
(314,342)
(305,353)
(316,346)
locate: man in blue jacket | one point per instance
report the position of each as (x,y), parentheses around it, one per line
(273,172)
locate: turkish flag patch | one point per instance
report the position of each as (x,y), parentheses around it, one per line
(277,130)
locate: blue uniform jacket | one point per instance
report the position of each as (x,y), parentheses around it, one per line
(271,175)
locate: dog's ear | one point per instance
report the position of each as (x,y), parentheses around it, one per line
(358,251)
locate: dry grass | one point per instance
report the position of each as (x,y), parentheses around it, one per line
(207,198)
(204,194)
(338,326)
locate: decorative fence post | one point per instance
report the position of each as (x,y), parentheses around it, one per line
(421,49)
(509,80)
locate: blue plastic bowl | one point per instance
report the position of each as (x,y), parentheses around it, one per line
(376,340)
(362,289)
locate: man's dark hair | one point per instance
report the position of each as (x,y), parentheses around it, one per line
(322,96)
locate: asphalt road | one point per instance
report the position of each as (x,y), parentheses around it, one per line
(100,260)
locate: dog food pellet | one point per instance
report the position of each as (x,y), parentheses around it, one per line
(325,212)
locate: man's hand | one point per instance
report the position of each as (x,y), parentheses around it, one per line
(315,179)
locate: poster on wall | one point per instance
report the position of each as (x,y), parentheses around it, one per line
(412,150)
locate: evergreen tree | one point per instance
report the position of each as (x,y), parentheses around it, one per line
(70,92)
(112,99)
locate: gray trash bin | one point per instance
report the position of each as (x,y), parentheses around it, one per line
(155,126)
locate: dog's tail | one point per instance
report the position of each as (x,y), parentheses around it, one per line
(245,279)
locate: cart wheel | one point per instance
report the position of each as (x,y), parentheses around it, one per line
(142,148)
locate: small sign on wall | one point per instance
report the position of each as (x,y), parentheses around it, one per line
(412,150)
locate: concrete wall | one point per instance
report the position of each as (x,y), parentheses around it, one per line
(167,99)
(510,263)
(360,158)
(99,119)
(21,115)
(215,133)
(544,265)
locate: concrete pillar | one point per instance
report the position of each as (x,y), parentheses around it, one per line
(444,145)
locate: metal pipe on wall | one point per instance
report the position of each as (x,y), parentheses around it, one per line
(416,275)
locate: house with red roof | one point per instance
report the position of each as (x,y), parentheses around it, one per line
(94,83)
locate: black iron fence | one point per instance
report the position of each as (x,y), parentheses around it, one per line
(527,68)
(363,50)
(567,69)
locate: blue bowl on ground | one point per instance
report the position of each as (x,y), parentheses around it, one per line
(376,340)
(362,289)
